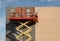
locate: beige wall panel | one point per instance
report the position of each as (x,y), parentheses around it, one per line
(48,26)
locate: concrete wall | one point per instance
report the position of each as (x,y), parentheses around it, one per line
(48,26)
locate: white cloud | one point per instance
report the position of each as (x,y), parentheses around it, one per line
(2,38)
(42,1)
(9,1)
(2,30)
(0,3)
(2,23)
(5,2)
(50,0)
(46,0)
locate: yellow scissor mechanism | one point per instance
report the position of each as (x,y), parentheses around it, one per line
(27,32)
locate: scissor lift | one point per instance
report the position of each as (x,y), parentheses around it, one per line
(25,16)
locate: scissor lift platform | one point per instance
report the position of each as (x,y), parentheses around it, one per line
(22,19)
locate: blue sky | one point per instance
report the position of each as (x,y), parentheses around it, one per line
(13,3)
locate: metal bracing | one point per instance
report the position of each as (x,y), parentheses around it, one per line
(27,32)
